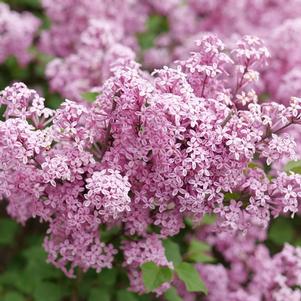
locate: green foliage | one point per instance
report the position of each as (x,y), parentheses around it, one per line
(108,234)
(8,231)
(108,277)
(154,276)
(263,97)
(48,291)
(90,96)
(27,272)
(172,295)
(231,196)
(294,166)
(124,295)
(191,277)
(172,251)
(198,251)
(99,294)
(24,4)
(155,26)
(281,231)
(13,296)
(253,165)
(208,219)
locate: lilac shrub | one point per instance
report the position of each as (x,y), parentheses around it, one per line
(150,152)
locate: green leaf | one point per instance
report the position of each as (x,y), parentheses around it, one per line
(294,166)
(13,296)
(37,265)
(8,277)
(232,196)
(17,71)
(17,279)
(191,277)
(99,294)
(124,295)
(253,165)
(25,282)
(208,219)
(264,97)
(90,96)
(188,222)
(48,291)
(29,4)
(2,111)
(53,101)
(172,251)
(197,252)
(146,40)
(8,230)
(155,26)
(107,277)
(145,298)
(172,295)
(154,276)
(281,231)
(28,279)
(107,234)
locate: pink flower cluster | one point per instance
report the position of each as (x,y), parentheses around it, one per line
(250,272)
(186,22)
(17,31)
(92,37)
(87,37)
(149,152)
(136,253)
(277,22)
(97,51)
(70,18)
(108,193)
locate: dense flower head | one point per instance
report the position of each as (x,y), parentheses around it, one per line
(97,52)
(150,152)
(250,272)
(108,193)
(70,18)
(17,32)
(78,248)
(110,30)
(23,102)
(277,22)
(187,22)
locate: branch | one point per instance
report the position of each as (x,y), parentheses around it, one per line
(238,87)
(105,144)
